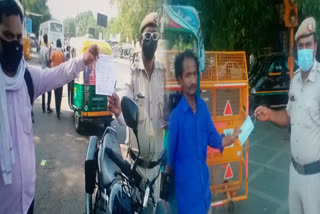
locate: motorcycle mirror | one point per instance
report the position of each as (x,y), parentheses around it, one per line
(130,112)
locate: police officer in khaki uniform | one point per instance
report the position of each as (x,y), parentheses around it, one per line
(146,87)
(303,113)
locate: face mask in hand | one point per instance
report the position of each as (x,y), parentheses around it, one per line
(149,47)
(246,129)
(305,59)
(11,55)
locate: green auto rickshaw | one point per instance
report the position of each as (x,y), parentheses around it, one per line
(88,107)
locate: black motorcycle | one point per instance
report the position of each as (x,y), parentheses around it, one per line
(120,188)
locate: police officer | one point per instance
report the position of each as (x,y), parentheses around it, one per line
(303,113)
(146,87)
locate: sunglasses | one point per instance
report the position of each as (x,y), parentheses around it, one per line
(154,36)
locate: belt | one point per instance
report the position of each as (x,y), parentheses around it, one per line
(306,169)
(143,163)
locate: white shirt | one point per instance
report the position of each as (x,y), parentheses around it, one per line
(44,57)
(304,111)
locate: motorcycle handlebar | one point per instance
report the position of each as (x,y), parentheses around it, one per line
(125,167)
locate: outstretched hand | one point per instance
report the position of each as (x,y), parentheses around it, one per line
(236,133)
(91,55)
(229,140)
(262,113)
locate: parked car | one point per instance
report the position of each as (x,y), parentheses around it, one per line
(269,81)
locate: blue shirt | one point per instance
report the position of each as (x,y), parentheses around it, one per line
(189,136)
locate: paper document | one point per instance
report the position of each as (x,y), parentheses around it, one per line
(246,129)
(105,75)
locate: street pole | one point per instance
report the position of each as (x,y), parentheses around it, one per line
(291,21)
(291,58)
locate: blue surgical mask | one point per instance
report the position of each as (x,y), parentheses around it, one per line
(305,59)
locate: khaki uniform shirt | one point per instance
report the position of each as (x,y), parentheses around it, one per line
(304,111)
(148,93)
(149,96)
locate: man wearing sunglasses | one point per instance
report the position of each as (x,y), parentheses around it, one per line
(146,87)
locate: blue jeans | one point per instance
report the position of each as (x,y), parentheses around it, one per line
(172,200)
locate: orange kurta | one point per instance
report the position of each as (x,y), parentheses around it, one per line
(57,58)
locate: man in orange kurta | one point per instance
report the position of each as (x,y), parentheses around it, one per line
(56,59)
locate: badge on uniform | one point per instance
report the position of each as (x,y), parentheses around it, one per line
(140,95)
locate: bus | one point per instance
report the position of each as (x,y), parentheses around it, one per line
(54,30)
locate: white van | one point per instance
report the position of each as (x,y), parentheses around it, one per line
(54,30)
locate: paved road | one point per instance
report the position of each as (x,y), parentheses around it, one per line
(60,183)
(269,160)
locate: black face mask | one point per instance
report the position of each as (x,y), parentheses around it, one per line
(149,47)
(11,55)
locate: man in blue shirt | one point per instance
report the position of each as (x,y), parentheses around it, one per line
(191,130)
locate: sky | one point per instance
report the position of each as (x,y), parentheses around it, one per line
(61,9)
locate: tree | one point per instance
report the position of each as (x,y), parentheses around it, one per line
(249,25)
(84,21)
(37,6)
(131,14)
(79,26)
(69,27)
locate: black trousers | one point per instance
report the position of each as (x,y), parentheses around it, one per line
(44,101)
(58,98)
(31,208)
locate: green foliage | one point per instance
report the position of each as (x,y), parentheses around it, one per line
(238,24)
(131,14)
(84,21)
(79,26)
(249,25)
(40,7)
(69,27)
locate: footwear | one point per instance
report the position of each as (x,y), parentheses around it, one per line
(49,110)
(43,111)
(58,117)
